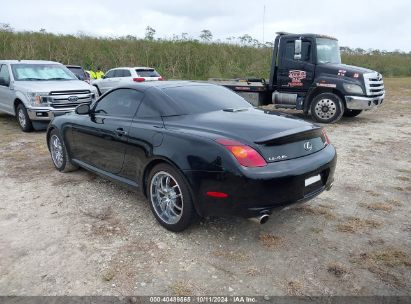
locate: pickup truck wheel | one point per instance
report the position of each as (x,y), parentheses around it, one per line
(170,198)
(23,118)
(352,113)
(327,108)
(59,153)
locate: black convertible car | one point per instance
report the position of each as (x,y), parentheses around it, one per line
(195,149)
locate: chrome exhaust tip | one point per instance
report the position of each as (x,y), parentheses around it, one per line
(261,219)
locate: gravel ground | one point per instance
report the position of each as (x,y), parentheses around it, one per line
(77,234)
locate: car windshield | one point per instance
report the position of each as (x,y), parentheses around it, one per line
(147,73)
(205,98)
(328,51)
(41,72)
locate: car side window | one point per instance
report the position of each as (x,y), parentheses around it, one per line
(118,73)
(120,103)
(126,73)
(148,109)
(4,75)
(110,74)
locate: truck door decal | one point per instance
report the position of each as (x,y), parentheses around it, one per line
(296,77)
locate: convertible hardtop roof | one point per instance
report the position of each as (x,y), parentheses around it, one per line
(165,84)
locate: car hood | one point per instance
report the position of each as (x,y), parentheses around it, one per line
(249,126)
(48,86)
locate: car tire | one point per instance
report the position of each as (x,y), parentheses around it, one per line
(58,153)
(327,108)
(171,203)
(352,113)
(23,118)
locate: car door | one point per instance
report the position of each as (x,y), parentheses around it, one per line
(6,94)
(146,134)
(100,139)
(106,83)
(296,74)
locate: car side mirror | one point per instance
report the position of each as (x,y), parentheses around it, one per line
(83,109)
(297,49)
(104,77)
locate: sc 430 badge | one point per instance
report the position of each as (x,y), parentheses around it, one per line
(277,158)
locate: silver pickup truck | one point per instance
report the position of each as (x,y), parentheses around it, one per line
(35,91)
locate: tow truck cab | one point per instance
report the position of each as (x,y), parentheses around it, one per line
(307,74)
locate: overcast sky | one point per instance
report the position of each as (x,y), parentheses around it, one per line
(356,23)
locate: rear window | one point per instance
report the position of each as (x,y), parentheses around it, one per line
(147,73)
(205,98)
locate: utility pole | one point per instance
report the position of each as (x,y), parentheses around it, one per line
(263,23)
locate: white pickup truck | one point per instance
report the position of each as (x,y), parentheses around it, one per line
(35,91)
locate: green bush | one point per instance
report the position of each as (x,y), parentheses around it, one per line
(179,59)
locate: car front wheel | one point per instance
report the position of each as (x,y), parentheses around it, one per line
(327,108)
(23,118)
(170,198)
(59,153)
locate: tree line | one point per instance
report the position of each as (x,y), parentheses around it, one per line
(180,57)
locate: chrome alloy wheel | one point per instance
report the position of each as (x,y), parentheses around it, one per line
(166,197)
(22,118)
(325,108)
(56,149)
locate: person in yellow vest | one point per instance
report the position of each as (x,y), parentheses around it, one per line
(99,73)
(92,74)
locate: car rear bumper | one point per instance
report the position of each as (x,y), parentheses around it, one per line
(46,114)
(363,103)
(260,190)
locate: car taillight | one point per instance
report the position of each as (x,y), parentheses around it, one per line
(139,79)
(326,139)
(160,78)
(245,155)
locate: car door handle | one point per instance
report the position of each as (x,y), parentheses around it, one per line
(121,132)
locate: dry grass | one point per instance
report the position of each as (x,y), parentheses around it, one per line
(321,211)
(394,202)
(237,256)
(337,269)
(270,240)
(295,288)
(378,207)
(382,262)
(316,230)
(354,225)
(372,193)
(182,289)
(253,272)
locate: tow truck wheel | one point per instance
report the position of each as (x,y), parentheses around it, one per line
(327,108)
(352,113)
(23,118)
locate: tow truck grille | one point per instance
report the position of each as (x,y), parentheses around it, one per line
(374,84)
(70,99)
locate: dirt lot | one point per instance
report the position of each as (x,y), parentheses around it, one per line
(77,234)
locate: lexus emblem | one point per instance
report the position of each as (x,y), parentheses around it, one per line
(72,98)
(308,146)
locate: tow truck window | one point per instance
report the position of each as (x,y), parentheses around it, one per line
(328,51)
(305,51)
